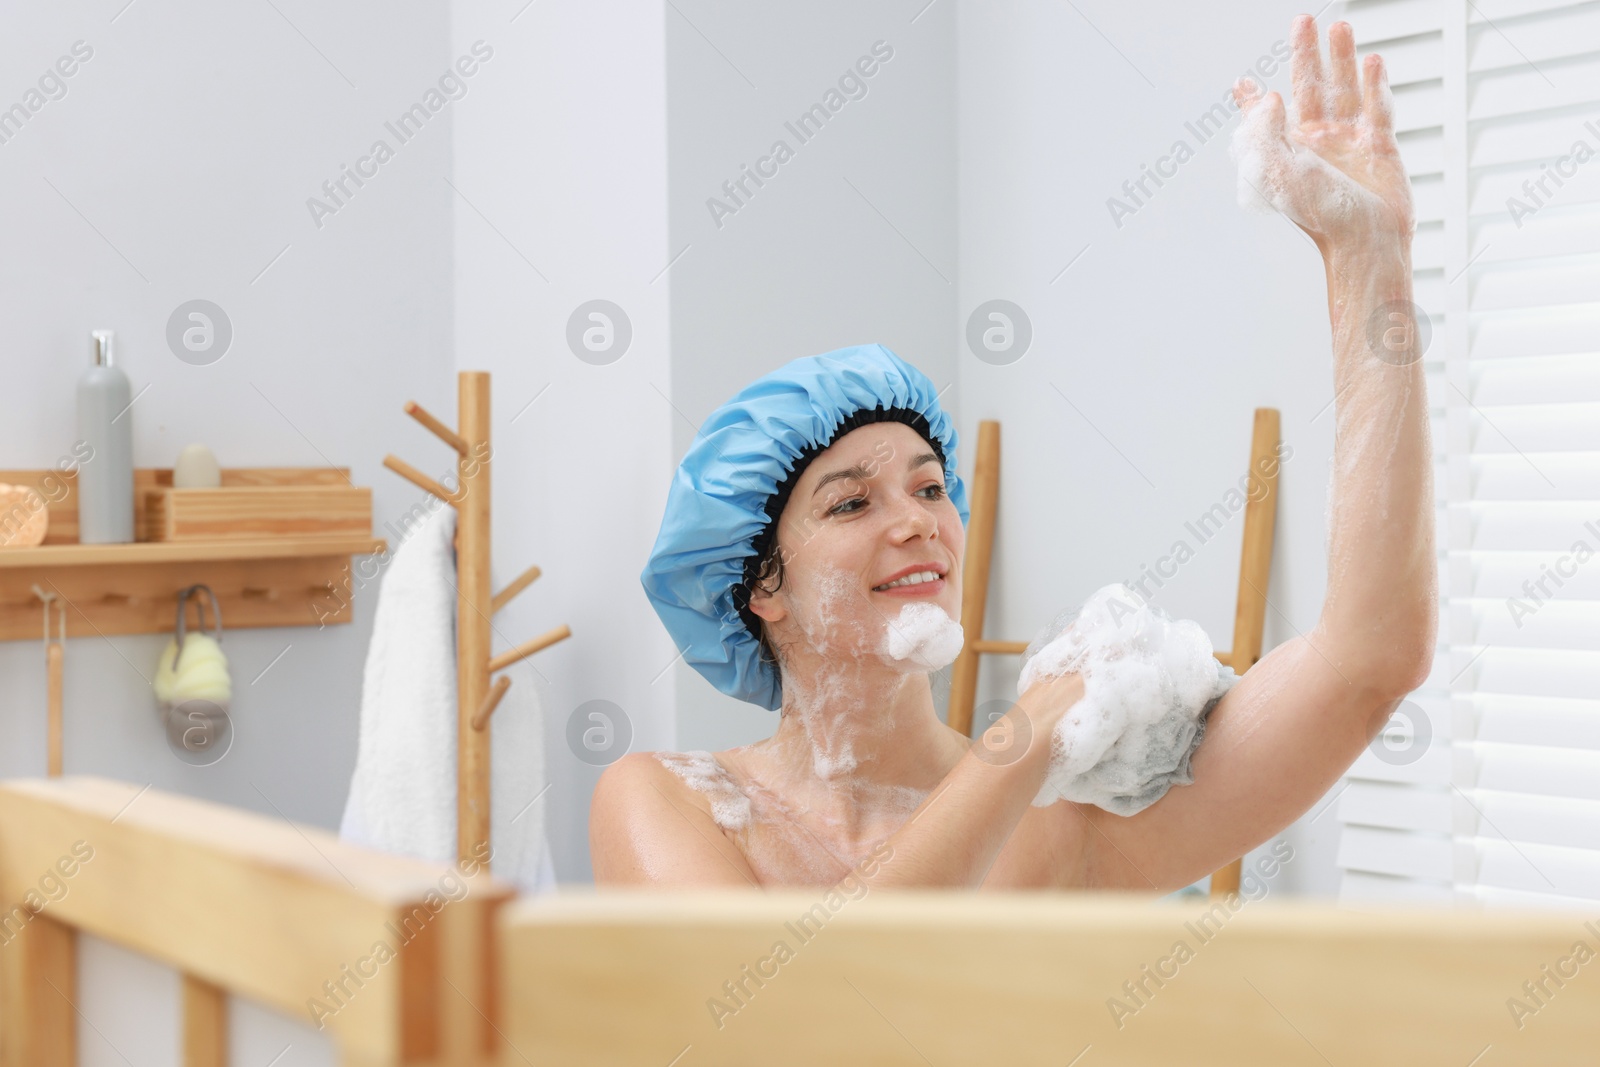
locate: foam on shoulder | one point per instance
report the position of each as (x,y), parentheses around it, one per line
(700,771)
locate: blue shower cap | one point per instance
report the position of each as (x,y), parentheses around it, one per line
(717,505)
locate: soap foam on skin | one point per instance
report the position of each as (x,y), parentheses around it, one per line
(923,637)
(1269,167)
(1149,684)
(700,771)
(1278,172)
(831,631)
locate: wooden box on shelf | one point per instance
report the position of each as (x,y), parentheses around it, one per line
(256,511)
(273,543)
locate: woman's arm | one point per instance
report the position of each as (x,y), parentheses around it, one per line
(954,836)
(1297,719)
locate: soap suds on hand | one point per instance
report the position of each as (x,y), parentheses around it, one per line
(1276,173)
(1149,684)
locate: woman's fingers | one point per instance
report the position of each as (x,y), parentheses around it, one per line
(1277,122)
(1375,98)
(1245,93)
(1263,154)
(1342,58)
(1307,70)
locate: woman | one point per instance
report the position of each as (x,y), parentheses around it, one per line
(852,454)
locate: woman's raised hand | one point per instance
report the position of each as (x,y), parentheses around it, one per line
(1336,171)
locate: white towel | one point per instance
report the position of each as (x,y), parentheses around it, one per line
(403,791)
(517,782)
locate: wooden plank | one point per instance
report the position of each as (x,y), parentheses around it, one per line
(518,584)
(528,648)
(418,479)
(1029,979)
(983,508)
(474,606)
(257,512)
(472,1020)
(342,938)
(440,430)
(38,988)
(126,598)
(1255,568)
(55,676)
(1255,554)
(1000,648)
(145,553)
(205,1024)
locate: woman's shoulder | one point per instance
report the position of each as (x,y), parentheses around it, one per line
(636,771)
(694,764)
(680,777)
(650,823)
(638,793)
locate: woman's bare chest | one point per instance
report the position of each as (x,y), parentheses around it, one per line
(784,838)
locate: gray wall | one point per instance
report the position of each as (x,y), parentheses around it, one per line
(560,191)
(853,241)
(1130,414)
(988,148)
(178,166)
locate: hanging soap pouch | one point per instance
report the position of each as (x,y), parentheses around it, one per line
(192,686)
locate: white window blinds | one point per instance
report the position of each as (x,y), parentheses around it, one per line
(1486,787)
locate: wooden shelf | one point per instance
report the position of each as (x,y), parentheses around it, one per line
(293,579)
(183,551)
(133,589)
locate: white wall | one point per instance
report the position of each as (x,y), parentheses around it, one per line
(561,171)
(191,141)
(1131,413)
(992,142)
(178,165)
(852,242)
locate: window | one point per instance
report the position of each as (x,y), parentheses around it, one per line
(1486,786)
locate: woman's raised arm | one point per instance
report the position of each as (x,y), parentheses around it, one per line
(1297,719)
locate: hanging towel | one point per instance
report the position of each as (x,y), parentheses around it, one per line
(518,795)
(403,791)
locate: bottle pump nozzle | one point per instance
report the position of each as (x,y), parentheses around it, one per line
(100,346)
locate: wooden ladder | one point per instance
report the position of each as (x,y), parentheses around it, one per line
(1250,607)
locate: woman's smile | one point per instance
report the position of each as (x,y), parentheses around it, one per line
(920,580)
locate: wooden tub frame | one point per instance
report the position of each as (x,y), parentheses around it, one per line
(263,908)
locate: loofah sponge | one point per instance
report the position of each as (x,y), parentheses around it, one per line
(1149,684)
(201,674)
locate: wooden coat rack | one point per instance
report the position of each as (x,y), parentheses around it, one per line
(476,700)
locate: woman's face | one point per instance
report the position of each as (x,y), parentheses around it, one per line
(867,518)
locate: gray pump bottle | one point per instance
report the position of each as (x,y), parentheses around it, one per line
(105,424)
